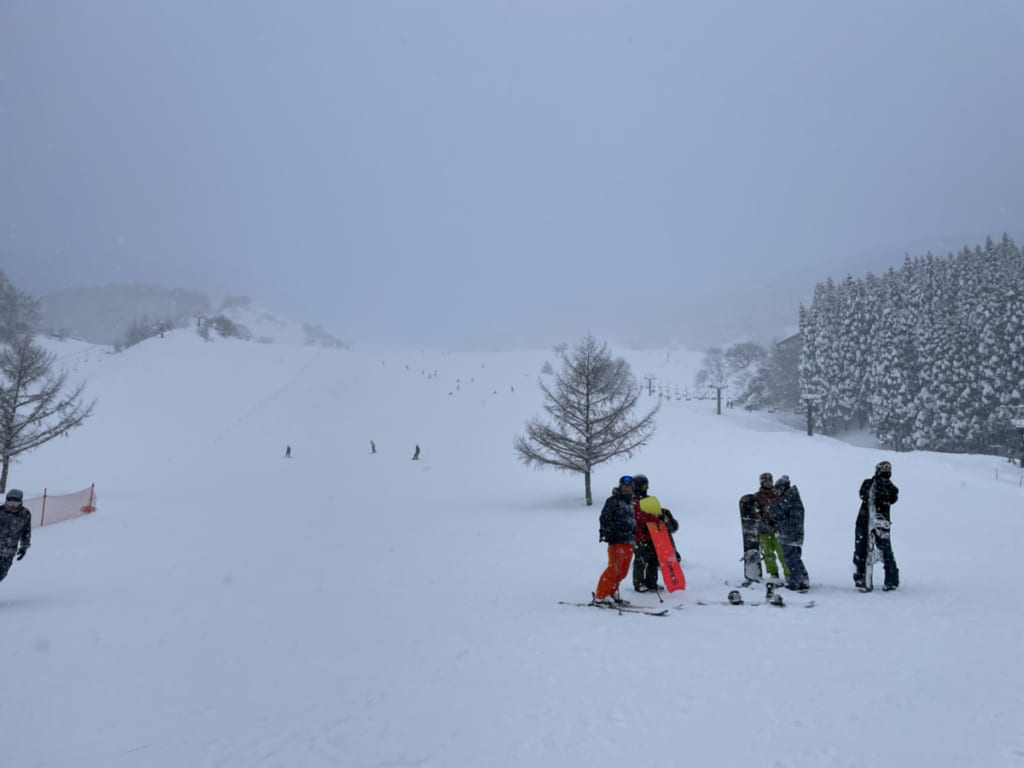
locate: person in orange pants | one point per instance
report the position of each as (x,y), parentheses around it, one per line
(618,528)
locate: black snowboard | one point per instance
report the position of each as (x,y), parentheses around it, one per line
(750,523)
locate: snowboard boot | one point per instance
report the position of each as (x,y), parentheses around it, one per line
(735,598)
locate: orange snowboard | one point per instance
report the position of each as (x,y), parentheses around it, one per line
(671,571)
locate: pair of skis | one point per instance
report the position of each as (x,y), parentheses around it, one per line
(620,608)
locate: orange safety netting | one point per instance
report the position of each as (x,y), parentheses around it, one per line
(48,509)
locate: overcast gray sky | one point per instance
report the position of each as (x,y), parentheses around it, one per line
(425,171)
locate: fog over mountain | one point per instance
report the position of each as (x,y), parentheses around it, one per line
(765,310)
(460,171)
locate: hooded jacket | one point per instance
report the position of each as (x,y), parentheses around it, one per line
(789,512)
(618,521)
(886,494)
(767,499)
(15,528)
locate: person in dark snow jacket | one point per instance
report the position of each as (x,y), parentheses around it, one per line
(618,528)
(881,489)
(646,565)
(15,531)
(789,515)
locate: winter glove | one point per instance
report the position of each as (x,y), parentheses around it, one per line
(670,522)
(21,552)
(602,535)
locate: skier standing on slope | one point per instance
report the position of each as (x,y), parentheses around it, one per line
(766,498)
(645,559)
(618,528)
(15,530)
(880,491)
(789,514)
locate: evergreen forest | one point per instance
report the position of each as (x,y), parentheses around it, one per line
(927,357)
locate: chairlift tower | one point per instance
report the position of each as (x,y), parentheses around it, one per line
(1017,421)
(810,398)
(718,393)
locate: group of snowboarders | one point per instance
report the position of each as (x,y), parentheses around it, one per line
(772,523)
(624,526)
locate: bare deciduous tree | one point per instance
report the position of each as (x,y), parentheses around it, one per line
(589,405)
(34,408)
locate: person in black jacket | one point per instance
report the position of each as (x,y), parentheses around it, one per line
(789,514)
(880,491)
(15,531)
(645,559)
(618,528)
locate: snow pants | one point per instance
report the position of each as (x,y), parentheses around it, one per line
(645,567)
(772,551)
(792,559)
(6,560)
(860,556)
(619,558)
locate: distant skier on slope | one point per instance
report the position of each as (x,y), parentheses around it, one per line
(880,491)
(15,530)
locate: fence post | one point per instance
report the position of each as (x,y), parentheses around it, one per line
(42,515)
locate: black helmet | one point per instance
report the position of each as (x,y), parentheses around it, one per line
(782,482)
(14,495)
(883,469)
(640,482)
(766,477)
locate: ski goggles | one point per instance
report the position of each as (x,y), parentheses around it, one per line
(626,480)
